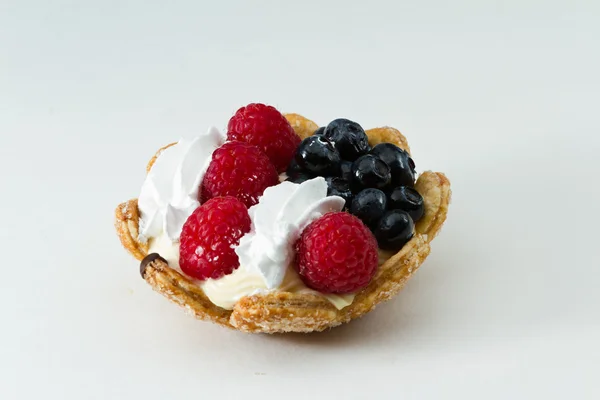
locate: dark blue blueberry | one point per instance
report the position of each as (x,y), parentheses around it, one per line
(293,168)
(299,178)
(319,131)
(348,137)
(370,172)
(407,199)
(339,187)
(399,161)
(394,230)
(317,155)
(369,205)
(346,170)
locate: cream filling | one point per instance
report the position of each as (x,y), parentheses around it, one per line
(225,292)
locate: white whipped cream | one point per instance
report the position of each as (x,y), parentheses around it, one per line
(170,195)
(281,214)
(266,252)
(170,192)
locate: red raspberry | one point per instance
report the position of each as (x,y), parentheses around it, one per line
(208,236)
(240,170)
(336,254)
(265,127)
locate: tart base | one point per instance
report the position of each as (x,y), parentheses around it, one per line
(296,312)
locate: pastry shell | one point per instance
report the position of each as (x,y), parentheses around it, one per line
(281,311)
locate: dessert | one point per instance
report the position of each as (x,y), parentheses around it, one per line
(279,225)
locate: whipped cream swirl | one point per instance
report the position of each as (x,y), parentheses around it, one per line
(278,219)
(169,194)
(266,252)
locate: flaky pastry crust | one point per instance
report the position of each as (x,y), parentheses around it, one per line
(297,312)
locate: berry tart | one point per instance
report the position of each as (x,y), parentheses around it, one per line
(279,225)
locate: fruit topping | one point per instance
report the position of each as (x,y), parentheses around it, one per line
(265,127)
(394,229)
(299,177)
(370,171)
(346,170)
(348,137)
(336,254)
(407,199)
(376,183)
(339,187)
(293,168)
(401,165)
(240,170)
(369,205)
(209,236)
(317,155)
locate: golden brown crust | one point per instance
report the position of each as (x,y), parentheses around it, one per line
(303,127)
(299,312)
(435,189)
(183,292)
(302,312)
(391,277)
(285,312)
(387,134)
(127,219)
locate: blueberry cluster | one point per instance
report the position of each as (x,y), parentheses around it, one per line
(377,183)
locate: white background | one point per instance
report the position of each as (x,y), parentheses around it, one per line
(502,96)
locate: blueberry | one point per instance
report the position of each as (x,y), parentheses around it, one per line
(407,199)
(293,168)
(349,138)
(339,187)
(346,170)
(399,161)
(319,131)
(369,171)
(299,178)
(369,205)
(394,229)
(317,155)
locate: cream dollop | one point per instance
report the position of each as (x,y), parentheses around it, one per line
(281,214)
(225,292)
(169,194)
(266,252)
(167,250)
(228,290)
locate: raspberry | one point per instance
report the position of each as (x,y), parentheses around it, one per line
(209,235)
(336,253)
(265,127)
(240,170)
